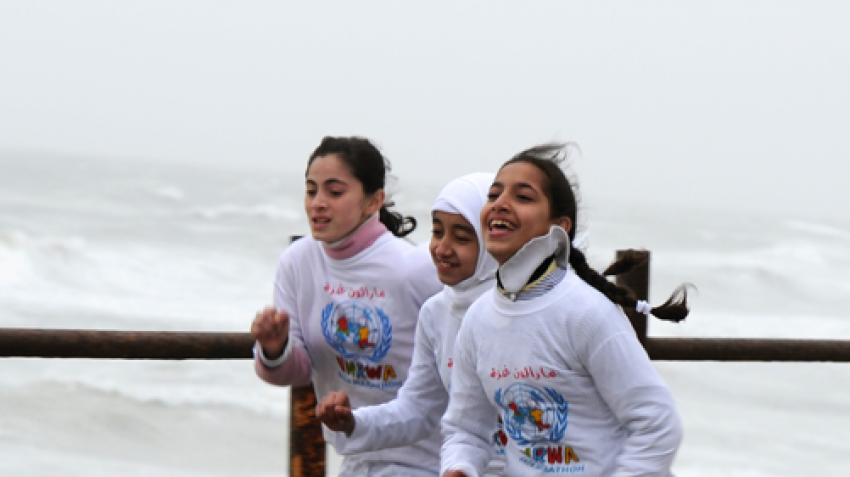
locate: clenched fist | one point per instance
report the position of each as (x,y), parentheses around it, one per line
(271,329)
(334,411)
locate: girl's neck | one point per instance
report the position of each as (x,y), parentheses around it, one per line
(360,239)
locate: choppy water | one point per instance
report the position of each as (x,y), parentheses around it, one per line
(88,243)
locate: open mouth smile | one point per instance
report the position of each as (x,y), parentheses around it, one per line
(497,225)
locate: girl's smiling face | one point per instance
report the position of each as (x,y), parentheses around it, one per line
(517,210)
(454,247)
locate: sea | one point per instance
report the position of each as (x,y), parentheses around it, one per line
(107,244)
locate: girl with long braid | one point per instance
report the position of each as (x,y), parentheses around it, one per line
(549,349)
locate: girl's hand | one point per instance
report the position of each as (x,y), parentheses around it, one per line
(334,411)
(271,329)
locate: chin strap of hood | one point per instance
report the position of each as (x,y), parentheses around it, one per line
(514,273)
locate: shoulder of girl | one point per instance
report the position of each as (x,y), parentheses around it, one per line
(298,249)
(433,303)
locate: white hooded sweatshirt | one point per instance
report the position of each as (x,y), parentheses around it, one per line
(423,398)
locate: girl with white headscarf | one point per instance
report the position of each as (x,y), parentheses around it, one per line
(467,271)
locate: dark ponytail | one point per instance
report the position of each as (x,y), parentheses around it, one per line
(398,224)
(674,309)
(370,167)
(563,203)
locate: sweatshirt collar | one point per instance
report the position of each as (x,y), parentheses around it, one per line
(357,241)
(516,272)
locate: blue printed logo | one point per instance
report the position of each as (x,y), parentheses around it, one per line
(532,415)
(356,330)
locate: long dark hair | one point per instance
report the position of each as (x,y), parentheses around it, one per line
(370,167)
(562,199)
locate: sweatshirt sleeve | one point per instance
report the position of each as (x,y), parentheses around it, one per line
(638,397)
(467,426)
(294,366)
(415,414)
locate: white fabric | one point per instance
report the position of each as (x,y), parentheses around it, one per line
(515,272)
(272,363)
(572,355)
(421,402)
(382,469)
(379,292)
(643,307)
(466,196)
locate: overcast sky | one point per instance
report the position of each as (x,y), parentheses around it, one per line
(710,104)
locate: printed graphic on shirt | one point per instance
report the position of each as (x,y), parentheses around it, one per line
(362,335)
(535,419)
(500,439)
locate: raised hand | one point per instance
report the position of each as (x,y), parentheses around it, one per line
(271,329)
(334,411)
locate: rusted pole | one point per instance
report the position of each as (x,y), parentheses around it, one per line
(47,343)
(306,442)
(637,280)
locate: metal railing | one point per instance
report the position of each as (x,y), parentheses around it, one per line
(307,446)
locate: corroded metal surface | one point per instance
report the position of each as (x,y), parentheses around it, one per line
(735,349)
(306,444)
(38,343)
(51,343)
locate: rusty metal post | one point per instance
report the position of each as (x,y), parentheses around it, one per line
(306,443)
(637,280)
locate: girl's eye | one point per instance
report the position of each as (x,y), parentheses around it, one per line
(463,239)
(336,193)
(311,192)
(524,198)
(437,233)
(492,197)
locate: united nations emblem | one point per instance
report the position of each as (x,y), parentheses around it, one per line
(532,415)
(356,330)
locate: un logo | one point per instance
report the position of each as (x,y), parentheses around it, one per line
(532,415)
(356,330)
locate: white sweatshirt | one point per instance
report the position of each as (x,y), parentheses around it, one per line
(416,413)
(352,325)
(575,389)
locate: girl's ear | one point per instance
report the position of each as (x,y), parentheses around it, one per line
(375,201)
(565,223)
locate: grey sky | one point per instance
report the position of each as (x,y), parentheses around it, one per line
(728,104)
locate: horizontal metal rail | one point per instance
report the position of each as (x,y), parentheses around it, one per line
(97,344)
(740,349)
(156,345)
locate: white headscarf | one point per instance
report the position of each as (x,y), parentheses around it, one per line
(466,196)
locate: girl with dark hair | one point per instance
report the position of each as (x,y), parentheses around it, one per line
(347,298)
(550,351)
